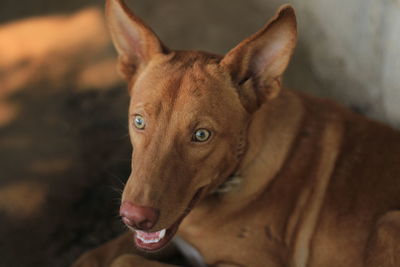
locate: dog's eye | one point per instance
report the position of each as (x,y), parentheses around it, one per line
(139,122)
(201,135)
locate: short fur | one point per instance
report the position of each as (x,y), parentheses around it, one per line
(320,185)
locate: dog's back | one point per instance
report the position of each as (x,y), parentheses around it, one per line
(364,186)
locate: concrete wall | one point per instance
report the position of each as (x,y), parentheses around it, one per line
(353,51)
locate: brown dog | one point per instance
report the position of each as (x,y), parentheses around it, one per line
(274,178)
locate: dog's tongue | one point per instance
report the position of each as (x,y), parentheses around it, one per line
(147,237)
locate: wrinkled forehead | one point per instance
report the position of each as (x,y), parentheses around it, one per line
(189,84)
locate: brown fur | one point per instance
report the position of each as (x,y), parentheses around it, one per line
(319,184)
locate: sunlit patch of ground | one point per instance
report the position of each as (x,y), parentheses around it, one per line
(8,112)
(53,166)
(22,199)
(57,50)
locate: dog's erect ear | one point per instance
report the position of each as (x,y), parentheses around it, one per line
(257,63)
(135,42)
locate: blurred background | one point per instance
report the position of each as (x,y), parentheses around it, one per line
(64,147)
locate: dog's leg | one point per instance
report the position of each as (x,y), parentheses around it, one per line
(383,249)
(103,256)
(118,252)
(130,260)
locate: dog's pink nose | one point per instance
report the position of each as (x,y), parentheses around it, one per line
(138,217)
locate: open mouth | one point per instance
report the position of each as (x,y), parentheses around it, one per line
(154,241)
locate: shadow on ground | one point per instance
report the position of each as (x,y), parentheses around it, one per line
(63,159)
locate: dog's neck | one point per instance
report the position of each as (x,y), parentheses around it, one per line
(234,180)
(232,183)
(271,134)
(268,153)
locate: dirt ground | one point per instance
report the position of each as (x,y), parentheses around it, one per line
(64,158)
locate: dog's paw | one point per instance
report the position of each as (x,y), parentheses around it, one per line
(129,260)
(87,260)
(227,264)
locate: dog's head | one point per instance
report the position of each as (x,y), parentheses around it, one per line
(188,115)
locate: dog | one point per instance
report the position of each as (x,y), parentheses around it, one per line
(245,172)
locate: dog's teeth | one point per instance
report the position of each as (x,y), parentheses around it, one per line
(162,233)
(148,238)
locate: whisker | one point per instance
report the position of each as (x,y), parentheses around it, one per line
(116,189)
(123,159)
(117,179)
(124,136)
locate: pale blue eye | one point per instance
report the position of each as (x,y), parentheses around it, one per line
(139,122)
(201,135)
